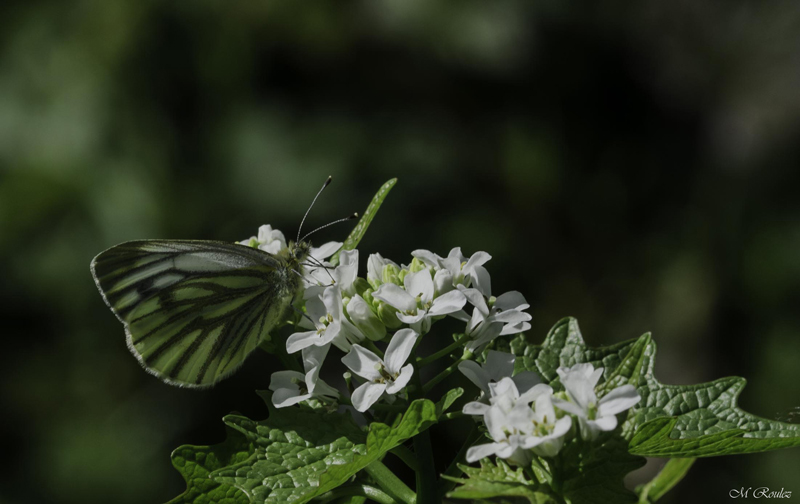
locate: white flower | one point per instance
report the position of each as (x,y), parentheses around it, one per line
(325,312)
(460,270)
(287,387)
(376,270)
(364,320)
(593,415)
(416,303)
(510,431)
(387,375)
(316,270)
(505,395)
(269,240)
(498,365)
(506,316)
(344,275)
(547,428)
(515,428)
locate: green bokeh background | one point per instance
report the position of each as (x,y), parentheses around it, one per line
(632,164)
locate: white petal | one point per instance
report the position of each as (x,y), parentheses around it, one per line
(399,349)
(314,356)
(606,423)
(419,284)
(285,397)
(495,421)
(366,395)
(442,281)
(411,319)
(322,389)
(475,408)
(512,317)
(499,364)
(325,251)
(301,340)
(476,374)
(534,392)
(363,362)
(395,296)
(562,426)
(569,407)
(401,381)
(618,400)
(364,318)
(478,452)
(461,315)
(476,299)
(330,333)
(332,298)
(515,328)
(477,259)
(447,303)
(481,280)
(511,300)
(427,257)
(285,380)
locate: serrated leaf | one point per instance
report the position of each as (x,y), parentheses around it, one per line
(671,420)
(301,453)
(366,219)
(495,480)
(195,463)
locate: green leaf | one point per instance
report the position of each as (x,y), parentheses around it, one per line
(361,228)
(300,453)
(671,420)
(196,462)
(493,480)
(593,474)
(669,476)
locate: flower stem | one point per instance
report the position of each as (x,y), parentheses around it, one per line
(390,483)
(444,352)
(447,371)
(426,472)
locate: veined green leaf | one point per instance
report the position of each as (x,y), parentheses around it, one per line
(495,480)
(300,453)
(671,420)
(361,228)
(195,463)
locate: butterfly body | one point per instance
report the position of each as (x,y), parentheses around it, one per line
(194,310)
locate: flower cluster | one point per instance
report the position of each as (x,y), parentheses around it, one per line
(395,304)
(524,417)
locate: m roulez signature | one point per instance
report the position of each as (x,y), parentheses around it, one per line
(760,493)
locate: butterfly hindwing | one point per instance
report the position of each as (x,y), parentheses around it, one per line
(194,310)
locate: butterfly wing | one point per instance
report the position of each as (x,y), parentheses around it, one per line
(193,310)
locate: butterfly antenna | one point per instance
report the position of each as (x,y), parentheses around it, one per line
(321,265)
(354,216)
(327,182)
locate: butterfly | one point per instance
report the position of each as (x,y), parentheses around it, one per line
(193,310)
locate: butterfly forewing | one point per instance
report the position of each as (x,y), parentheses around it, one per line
(193,310)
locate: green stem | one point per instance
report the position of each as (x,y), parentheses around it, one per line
(426,473)
(372,346)
(390,483)
(447,372)
(453,469)
(367,491)
(444,352)
(407,456)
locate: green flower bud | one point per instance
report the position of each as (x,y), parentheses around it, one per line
(388,315)
(361,285)
(416,265)
(362,316)
(390,274)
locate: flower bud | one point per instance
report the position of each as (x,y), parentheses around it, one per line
(388,315)
(390,274)
(364,319)
(416,265)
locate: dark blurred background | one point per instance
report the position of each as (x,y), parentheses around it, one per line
(632,164)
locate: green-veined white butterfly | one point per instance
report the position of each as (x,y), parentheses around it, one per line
(193,310)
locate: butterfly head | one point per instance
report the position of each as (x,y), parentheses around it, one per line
(299,251)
